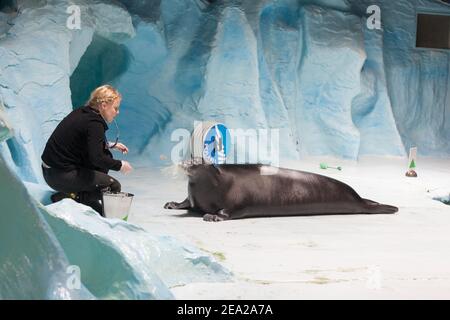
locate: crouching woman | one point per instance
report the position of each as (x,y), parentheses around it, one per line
(76,158)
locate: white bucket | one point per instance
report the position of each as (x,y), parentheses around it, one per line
(117,204)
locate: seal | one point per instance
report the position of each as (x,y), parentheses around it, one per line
(236,191)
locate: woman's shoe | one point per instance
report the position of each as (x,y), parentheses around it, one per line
(62,195)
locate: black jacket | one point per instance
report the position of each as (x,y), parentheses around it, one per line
(79,142)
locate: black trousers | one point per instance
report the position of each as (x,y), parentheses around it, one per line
(88,184)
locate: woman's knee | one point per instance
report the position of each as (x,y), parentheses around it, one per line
(115,185)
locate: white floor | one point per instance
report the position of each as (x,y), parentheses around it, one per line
(401,256)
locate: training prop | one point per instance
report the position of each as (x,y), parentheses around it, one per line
(210,142)
(412,163)
(325,166)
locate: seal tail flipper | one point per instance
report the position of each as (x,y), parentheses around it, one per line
(373,207)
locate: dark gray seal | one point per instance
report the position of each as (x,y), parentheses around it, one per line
(242,191)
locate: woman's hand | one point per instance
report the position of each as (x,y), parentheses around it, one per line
(121,147)
(126,167)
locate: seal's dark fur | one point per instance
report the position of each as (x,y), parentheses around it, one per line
(241,191)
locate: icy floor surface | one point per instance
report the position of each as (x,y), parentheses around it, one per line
(399,256)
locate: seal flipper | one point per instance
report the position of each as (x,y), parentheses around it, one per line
(378,208)
(178,205)
(221,215)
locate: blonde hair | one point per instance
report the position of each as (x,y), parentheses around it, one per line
(105,93)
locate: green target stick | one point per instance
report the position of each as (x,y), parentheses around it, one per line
(325,166)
